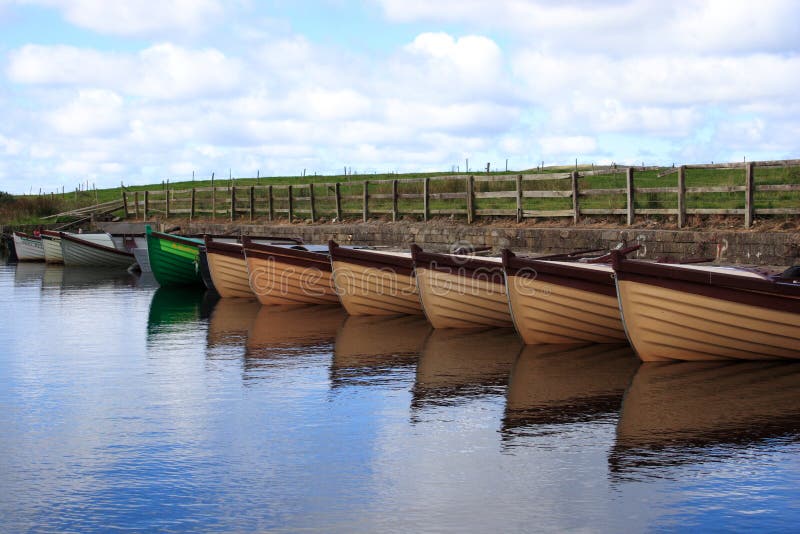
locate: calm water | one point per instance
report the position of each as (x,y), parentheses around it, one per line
(124,406)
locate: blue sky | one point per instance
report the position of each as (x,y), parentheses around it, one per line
(144,91)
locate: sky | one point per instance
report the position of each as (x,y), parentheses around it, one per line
(143,91)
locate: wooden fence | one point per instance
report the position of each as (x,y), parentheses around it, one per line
(739,189)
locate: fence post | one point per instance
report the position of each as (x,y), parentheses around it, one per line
(252,202)
(366,200)
(629,181)
(146,203)
(232,189)
(426,193)
(290,201)
(749,204)
(191,207)
(470,199)
(136,203)
(338,195)
(311,201)
(394,200)
(576,209)
(270,209)
(213,203)
(519,198)
(125,203)
(681,196)
(166,204)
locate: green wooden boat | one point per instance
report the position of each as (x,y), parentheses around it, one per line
(174,259)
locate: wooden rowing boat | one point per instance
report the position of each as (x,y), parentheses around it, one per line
(173,258)
(691,312)
(282,275)
(228,269)
(562,301)
(28,247)
(459,291)
(374,282)
(80,252)
(52,243)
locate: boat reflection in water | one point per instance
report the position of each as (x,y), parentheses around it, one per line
(231,322)
(281,333)
(177,309)
(27,274)
(372,349)
(82,278)
(565,384)
(677,413)
(456,364)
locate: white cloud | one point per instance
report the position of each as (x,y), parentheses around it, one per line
(142,17)
(162,71)
(628,27)
(92,113)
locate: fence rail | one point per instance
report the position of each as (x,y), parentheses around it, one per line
(766,188)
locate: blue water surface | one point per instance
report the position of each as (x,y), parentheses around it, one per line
(124,406)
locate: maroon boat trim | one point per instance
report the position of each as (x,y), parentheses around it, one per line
(476,268)
(232,250)
(367,258)
(27,236)
(590,280)
(761,292)
(96,246)
(292,256)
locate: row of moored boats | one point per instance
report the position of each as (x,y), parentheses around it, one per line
(668,311)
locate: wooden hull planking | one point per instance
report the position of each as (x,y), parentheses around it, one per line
(281,278)
(87,254)
(374,290)
(28,248)
(670,324)
(549,308)
(229,274)
(173,259)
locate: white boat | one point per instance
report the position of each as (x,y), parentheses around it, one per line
(51,242)
(78,251)
(29,247)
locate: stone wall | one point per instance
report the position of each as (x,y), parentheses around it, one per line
(760,248)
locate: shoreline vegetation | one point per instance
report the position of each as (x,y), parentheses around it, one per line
(493,196)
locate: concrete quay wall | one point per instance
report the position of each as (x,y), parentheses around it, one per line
(740,247)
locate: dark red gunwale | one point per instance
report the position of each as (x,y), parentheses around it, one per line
(763,292)
(27,236)
(558,274)
(50,233)
(96,246)
(300,258)
(367,258)
(232,250)
(447,263)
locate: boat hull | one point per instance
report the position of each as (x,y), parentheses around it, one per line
(461,292)
(669,324)
(375,283)
(228,269)
(282,276)
(87,254)
(696,313)
(558,302)
(173,259)
(52,249)
(28,248)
